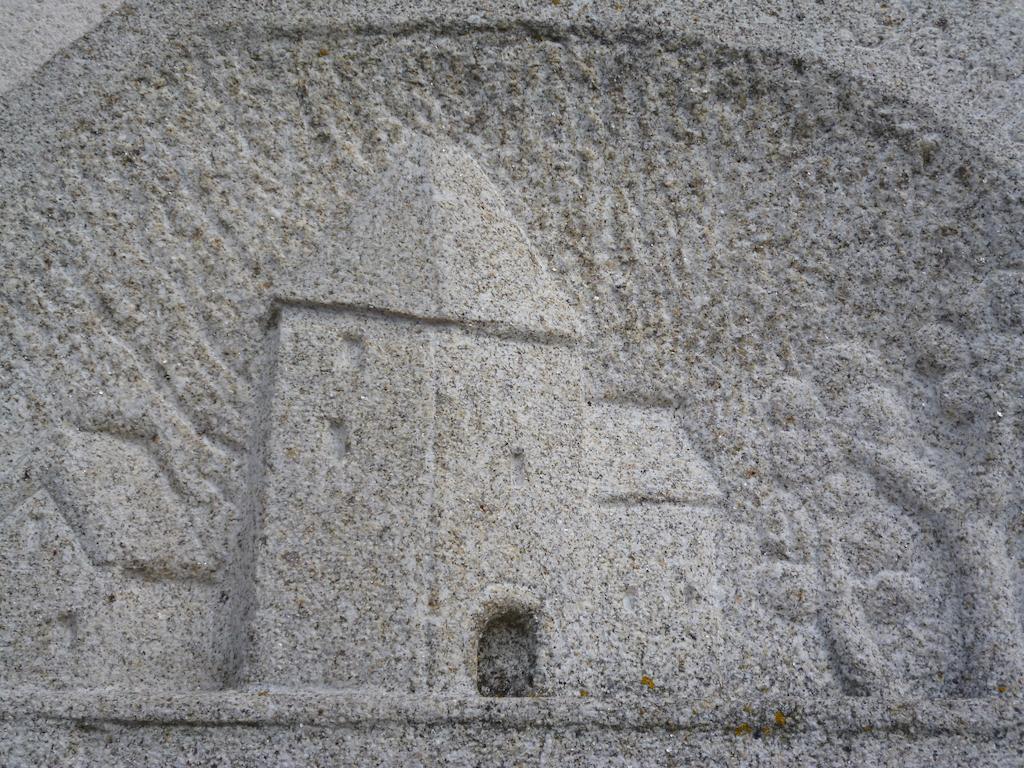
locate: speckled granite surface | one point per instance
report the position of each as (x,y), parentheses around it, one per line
(31,31)
(567,383)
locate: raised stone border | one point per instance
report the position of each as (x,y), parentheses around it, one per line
(980,718)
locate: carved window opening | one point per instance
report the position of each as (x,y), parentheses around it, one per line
(341,437)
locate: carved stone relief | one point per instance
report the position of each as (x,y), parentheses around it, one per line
(359,377)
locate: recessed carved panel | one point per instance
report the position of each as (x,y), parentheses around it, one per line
(356,374)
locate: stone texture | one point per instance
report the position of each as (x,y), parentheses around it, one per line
(33,30)
(661,363)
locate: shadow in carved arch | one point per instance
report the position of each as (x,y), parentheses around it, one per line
(507,653)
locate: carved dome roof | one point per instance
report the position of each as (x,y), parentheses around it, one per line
(433,238)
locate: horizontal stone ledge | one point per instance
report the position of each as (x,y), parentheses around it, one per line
(984,718)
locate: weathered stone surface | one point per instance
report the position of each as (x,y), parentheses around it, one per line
(556,384)
(31,31)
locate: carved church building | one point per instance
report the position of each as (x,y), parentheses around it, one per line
(442,482)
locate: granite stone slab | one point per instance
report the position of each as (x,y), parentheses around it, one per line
(557,383)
